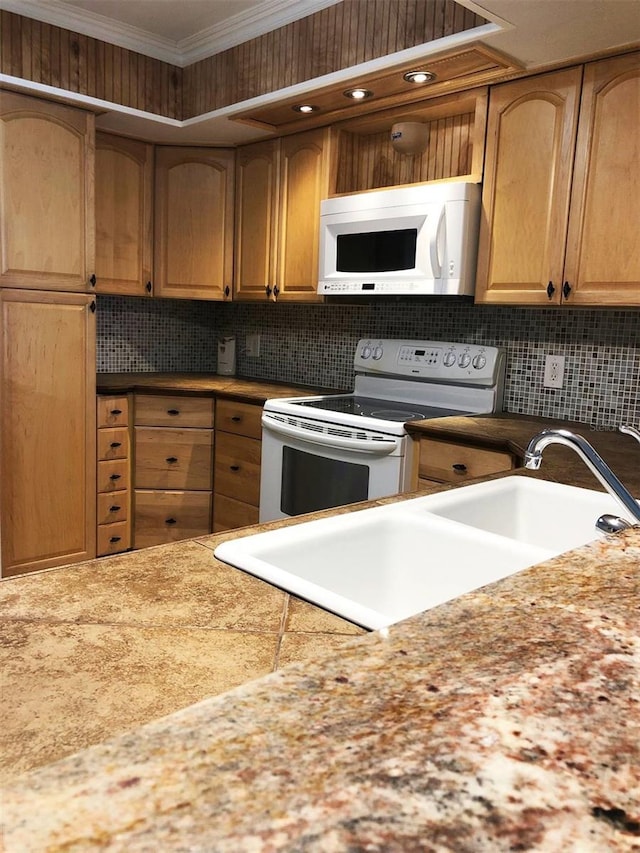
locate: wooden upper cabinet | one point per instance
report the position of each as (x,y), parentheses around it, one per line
(531,135)
(603,247)
(124,210)
(46,182)
(304,182)
(48,429)
(256,219)
(194,206)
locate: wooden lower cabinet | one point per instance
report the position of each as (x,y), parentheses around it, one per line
(455,462)
(167,516)
(113,475)
(47,430)
(237,465)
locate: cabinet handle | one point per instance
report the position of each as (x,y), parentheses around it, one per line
(115,539)
(550,289)
(236,418)
(115,444)
(276,290)
(116,411)
(227,291)
(115,476)
(234,467)
(114,508)
(93,280)
(267,290)
(173,411)
(92,307)
(148,287)
(172,458)
(170,521)
(566,289)
(459,467)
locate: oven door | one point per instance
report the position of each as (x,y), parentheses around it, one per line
(309,465)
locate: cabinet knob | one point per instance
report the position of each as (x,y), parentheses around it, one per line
(171,521)
(116,411)
(236,418)
(550,289)
(267,290)
(115,539)
(114,508)
(459,467)
(276,290)
(115,477)
(93,280)
(227,290)
(92,307)
(566,289)
(115,444)
(172,459)
(173,411)
(234,467)
(148,287)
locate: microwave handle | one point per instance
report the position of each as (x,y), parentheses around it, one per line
(436,239)
(380,447)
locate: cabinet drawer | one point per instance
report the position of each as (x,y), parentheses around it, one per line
(454,463)
(113,538)
(173,411)
(113,443)
(113,475)
(239,418)
(173,458)
(168,516)
(113,507)
(237,467)
(229,513)
(112,411)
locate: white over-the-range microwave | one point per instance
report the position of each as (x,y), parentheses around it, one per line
(418,240)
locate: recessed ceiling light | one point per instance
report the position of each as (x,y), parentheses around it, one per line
(419,77)
(305,108)
(358,94)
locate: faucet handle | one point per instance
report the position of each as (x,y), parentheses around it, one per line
(630,430)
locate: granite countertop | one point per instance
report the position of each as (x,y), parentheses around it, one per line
(508,719)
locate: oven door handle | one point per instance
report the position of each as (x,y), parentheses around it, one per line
(381,447)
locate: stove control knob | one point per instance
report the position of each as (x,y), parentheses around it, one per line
(479,361)
(377,353)
(449,359)
(464,360)
(366,351)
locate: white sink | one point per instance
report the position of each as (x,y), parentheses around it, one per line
(380,565)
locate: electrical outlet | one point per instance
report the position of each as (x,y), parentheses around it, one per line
(253,345)
(553,371)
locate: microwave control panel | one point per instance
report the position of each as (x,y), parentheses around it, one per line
(438,361)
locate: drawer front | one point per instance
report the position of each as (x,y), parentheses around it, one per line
(113,475)
(162,517)
(173,411)
(173,458)
(113,538)
(229,513)
(239,418)
(113,507)
(237,467)
(113,443)
(112,411)
(450,462)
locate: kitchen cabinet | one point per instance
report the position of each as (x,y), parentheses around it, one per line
(48,429)
(237,464)
(173,467)
(455,462)
(114,475)
(124,211)
(46,187)
(561,193)
(193,232)
(279,188)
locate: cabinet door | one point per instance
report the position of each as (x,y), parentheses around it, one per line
(256,219)
(48,435)
(530,147)
(194,198)
(603,247)
(124,184)
(304,176)
(46,186)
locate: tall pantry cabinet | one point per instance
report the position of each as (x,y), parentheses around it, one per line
(47,335)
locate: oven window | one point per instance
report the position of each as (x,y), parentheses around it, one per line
(311,482)
(377,251)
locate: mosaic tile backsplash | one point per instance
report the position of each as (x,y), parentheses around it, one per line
(314,345)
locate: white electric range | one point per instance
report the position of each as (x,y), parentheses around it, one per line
(331,450)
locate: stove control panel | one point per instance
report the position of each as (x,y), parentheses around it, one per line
(438,361)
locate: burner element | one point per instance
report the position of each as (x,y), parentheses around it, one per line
(397,415)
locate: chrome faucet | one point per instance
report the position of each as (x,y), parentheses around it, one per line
(593,460)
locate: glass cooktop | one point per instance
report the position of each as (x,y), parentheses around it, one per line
(383,410)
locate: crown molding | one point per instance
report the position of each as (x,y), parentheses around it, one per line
(231,32)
